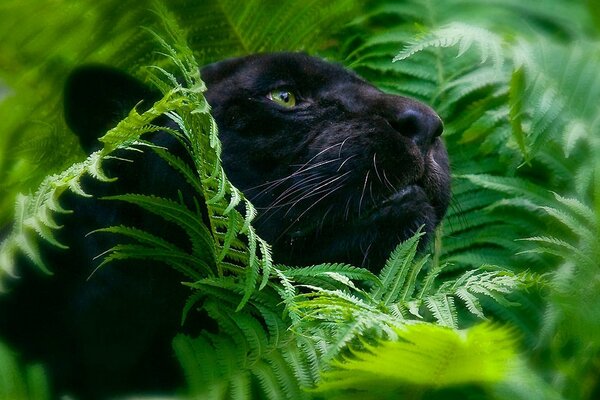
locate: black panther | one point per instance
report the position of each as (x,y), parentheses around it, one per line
(338,170)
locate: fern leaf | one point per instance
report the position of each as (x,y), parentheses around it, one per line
(28,246)
(396,269)
(443,309)
(284,377)
(198,360)
(299,367)
(254,334)
(560,248)
(575,132)
(585,213)
(179,165)
(267,381)
(470,82)
(511,186)
(175,212)
(429,281)
(140,236)
(267,263)
(411,283)
(345,335)
(471,302)
(252,271)
(465,36)
(517,87)
(324,270)
(21,382)
(432,357)
(240,387)
(179,260)
(573,224)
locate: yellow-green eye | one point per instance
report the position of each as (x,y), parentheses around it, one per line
(284,98)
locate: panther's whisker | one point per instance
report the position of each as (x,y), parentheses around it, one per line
(327,192)
(312,166)
(375,166)
(297,187)
(365,254)
(342,146)
(303,168)
(347,210)
(345,161)
(321,223)
(313,192)
(362,195)
(323,151)
(371,192)
(301,183)
(308,209)
(319,189)
(274,184)
(388,183)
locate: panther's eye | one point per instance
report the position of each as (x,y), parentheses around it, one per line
(284,98)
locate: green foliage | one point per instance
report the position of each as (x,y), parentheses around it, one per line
(33,215)
(18,382)
(432,357)
(516,84)
(41,41)
(307,320)
(518,103)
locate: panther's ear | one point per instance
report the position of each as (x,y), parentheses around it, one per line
(97,97)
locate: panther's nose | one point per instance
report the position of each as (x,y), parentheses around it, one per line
(419,123)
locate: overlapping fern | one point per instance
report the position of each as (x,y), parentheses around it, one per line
(517,87)
(521,127)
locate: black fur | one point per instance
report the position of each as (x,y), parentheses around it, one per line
(343,177)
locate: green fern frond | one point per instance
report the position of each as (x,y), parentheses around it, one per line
(443,309)
(575,225)
(465,36)
(325,271)
(561,248)
(34,211)
(424,356)
(255,355)
(18,382)
(326,276)
(511,186)
(396,269)
(190,222)
(517,88)
(470,83)
(151,247)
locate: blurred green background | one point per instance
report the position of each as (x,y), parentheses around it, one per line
(517,84)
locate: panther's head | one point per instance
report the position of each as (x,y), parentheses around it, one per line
(338,170)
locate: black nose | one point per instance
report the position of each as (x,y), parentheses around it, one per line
(419,123)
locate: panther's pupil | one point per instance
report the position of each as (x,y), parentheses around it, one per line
(285,96)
